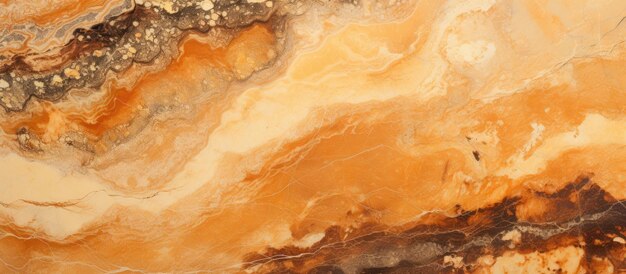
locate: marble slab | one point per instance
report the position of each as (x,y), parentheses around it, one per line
(304,136)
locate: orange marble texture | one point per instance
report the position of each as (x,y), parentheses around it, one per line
(297,136)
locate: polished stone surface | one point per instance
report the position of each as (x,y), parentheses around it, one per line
(297,136)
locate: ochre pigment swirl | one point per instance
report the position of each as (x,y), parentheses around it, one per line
(298,136)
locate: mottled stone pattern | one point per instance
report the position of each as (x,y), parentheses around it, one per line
(300,136)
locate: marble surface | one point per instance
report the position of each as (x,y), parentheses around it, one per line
(297,136)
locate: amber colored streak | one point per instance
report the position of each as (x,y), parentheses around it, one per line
(196,56)
(36,122)
(119,108)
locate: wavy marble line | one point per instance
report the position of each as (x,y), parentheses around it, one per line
(271,136)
